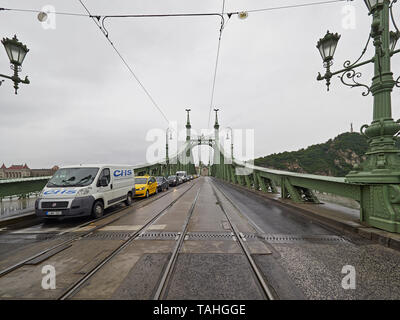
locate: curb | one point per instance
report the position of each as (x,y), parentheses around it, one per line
(19,218)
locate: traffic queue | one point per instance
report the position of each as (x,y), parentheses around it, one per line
(145,186)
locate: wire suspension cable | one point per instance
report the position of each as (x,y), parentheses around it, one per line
(96,21)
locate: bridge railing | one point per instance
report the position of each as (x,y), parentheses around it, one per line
(379,204)
(290,183)
(163,167)
(21,188)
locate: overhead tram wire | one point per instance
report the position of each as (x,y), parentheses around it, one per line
(97,18)
(38,11)
(105,33)
(298,5)
(180,14)
(216,64)
(254,10)
(176,14)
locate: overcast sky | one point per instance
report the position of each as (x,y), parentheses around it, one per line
(83,106)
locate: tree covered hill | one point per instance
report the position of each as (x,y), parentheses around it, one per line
(333,158)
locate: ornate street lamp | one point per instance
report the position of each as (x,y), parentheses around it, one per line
(227,137)
(166,147)
(16,52)
(327,47)
(373,4)
(379,173)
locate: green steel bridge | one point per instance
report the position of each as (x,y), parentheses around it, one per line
(379,202)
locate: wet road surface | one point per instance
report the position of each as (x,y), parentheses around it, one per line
(297,258)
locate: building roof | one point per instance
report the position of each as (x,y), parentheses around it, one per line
(16,167)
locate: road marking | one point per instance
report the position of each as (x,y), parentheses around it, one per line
(157,227)
(121,228)
(35,230)
(133,227)
(86,228)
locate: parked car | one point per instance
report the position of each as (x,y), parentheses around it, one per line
(173,181)
(145,186)
(162,184)
(190,177)
(180,180)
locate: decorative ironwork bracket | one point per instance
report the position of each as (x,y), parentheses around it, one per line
(352,75)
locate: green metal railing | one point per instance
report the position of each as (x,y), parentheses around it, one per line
(21,188)
(379,203)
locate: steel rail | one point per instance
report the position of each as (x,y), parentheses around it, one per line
(258,275)
(69,292)
(80,236)
(172,261)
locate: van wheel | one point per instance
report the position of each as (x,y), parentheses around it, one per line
(128,200)
(98,209)
(147,193)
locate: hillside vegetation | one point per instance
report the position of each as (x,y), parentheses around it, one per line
(333,158)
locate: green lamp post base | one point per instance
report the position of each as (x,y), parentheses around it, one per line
(380,190)
(380,206)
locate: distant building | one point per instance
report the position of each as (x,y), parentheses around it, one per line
(204,171)
(23,171)
(43,172)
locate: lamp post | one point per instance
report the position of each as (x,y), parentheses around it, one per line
(231,141)
(380,172)
(16,52)
(166,148)
(188,135)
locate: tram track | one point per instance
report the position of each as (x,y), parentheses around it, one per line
(168,271)
(75,287)
(266,290)
(68,242)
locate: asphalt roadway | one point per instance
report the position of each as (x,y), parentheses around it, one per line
(298,259)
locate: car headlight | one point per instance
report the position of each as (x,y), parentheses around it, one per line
(142,188)
(83,192)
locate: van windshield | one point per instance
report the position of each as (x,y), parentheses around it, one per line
(73,177)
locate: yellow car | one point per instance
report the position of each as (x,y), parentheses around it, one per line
(145,186)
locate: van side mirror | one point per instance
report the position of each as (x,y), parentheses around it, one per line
(103,182)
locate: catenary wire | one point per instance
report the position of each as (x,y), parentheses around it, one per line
(96,21)
(183,14)
(216,67)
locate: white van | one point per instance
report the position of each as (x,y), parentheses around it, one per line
(182,175)
(84,190)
